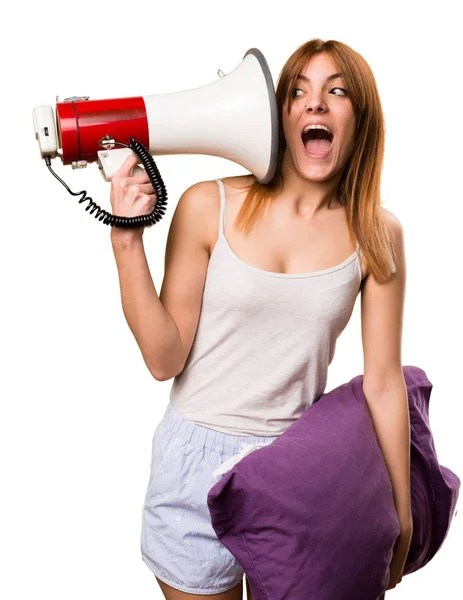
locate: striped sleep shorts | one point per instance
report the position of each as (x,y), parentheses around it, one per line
(178,542)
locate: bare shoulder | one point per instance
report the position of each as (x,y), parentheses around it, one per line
(199,205)
(397,236)
(201,195)
(207,198)
(395,227)
(392,221)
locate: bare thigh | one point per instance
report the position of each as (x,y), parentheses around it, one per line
(170,593)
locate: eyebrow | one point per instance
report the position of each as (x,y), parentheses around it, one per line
(329,78)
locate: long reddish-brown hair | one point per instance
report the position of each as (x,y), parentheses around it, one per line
(359,186)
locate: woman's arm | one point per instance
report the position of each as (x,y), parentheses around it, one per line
(382,307)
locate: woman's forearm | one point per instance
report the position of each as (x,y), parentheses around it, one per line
(152,326)
(391,420)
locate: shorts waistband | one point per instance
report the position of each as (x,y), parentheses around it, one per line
(196,435)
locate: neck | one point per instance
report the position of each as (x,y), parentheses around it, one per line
(305,198)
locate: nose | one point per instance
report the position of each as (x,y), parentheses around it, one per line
(315,107)
(316,103)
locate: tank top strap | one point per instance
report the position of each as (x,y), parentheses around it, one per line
(223,206)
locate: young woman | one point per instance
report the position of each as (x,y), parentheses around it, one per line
(259,282)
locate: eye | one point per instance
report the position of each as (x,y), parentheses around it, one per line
(339,88)
(336,88)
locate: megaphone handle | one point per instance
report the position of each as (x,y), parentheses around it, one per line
(128,222)
(110,161)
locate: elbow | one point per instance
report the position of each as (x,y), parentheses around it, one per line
(166,367)
(162,377)
(385,386)
(159,375)
(165,374)
(381,393)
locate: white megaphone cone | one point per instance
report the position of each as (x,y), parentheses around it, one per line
(234,117)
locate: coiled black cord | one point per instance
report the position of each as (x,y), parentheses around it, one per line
(128,222)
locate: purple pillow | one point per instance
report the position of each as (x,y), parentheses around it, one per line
(311,516)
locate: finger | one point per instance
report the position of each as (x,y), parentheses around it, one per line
(146,188)
(126,168)
(141,177)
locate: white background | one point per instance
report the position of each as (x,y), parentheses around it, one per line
(79,406)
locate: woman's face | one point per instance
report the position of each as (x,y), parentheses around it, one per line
(318,100)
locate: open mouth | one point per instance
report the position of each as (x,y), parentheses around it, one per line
(317,142)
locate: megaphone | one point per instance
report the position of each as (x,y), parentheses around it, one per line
(235,117)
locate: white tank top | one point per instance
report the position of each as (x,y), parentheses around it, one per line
(264,341)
